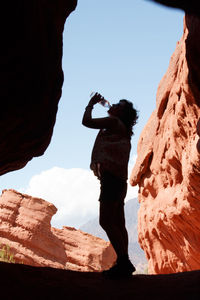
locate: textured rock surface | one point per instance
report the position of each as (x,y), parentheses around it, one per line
(168,164)
(25,227)
(31,77)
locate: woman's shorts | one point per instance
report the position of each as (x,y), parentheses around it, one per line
(112,188)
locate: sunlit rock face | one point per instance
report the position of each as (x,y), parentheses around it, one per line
(167,169)
(25,228)
(31,77)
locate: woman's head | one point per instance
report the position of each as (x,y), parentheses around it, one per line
(125,111)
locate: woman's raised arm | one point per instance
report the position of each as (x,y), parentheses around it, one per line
(97,123)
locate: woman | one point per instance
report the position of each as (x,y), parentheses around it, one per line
(109,163)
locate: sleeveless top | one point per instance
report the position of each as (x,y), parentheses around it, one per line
(111,153)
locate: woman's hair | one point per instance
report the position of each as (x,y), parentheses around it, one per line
(129,116)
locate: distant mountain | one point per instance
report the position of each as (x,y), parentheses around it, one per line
(131,208)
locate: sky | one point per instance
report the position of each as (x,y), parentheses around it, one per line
(121,49)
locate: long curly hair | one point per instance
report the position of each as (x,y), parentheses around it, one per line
(129,116)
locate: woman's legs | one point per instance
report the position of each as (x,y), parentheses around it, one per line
(112,220)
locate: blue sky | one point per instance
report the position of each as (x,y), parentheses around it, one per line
(120,48)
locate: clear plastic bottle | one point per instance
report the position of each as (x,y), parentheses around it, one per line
(105,103)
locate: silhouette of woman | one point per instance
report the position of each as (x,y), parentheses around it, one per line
(109,163)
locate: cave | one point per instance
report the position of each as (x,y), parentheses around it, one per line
(32,80)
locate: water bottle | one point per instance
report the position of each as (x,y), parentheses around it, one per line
(105,103)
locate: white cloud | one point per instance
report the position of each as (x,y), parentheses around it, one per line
(74,192)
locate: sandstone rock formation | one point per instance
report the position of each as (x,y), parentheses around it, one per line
(25,227)
(31,77)
(167,169)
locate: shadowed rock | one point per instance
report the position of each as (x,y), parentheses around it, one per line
(31,77)
(192,6)
(25,282)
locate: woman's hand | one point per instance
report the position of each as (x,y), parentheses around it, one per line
(95,99)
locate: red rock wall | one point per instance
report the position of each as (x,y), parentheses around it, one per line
(25,227)
(168,166)
(31,77)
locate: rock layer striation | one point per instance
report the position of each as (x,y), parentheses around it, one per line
(167,169)
(25,228)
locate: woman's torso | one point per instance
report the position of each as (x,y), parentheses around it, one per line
(111,151)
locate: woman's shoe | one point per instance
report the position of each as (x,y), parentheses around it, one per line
(120,270)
